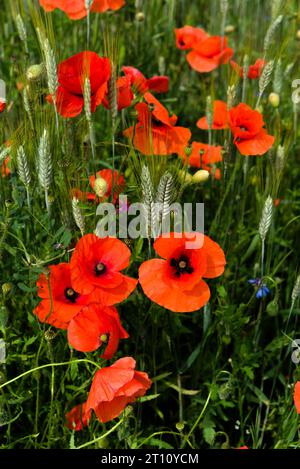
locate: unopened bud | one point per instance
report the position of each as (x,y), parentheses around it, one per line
(188,150)
(140,16)
(6,288)
(274,99)
(200,176)
(34,72)
(184,176)
(230,28)
(100,186)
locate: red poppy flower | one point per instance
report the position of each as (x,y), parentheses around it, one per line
(247,127)
(114,387)
(189,37)
(243,447)
(155,132)
(94,326)
(60,302)
(220,117)
(71,76)
(5,169)
(156,84)
(254,70)
(124,94)
(176,281)
(103,184)
(208,54)
(95,269)
(78,417)
(297,396)
(75,9)
(203,155)
(2,105)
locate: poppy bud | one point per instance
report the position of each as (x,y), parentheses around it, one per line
(6,288)
(274,99)
(34,72)
(51,199)
(140,16)
(230,28)
(200,176)
(184,176)
(188,150)
(180,426)
(128,410)
(100,186)
(8,203)
(50,335)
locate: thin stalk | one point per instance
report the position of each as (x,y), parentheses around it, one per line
(48,365)
(198,420)
(102,436)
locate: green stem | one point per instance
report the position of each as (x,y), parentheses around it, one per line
(102,436)
(28,372)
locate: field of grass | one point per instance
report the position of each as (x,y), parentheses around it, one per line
(222,370)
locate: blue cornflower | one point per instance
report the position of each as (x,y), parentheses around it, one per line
(262,289)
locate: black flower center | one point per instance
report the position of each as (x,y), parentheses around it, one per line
(71,294)
(243,129)
(181,265)
(100,268)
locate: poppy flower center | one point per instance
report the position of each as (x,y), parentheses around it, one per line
(100,269)
(243,129)
(181,265)
(71,294)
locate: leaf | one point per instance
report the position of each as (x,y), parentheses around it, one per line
(160,377)
(209,435)
(159,444)
(148,398)
(261,396)
(248,372)
(26,289)
(186,392)
(251,248)
(190,359)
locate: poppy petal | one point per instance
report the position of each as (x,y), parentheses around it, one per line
(158,84)
(201,63)
(158,290)
(297,396)
(257,145)
(67,104)
(114,296)
(215,258)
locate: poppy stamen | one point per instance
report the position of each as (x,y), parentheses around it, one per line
(100,269)
(71,294)
(181,265)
